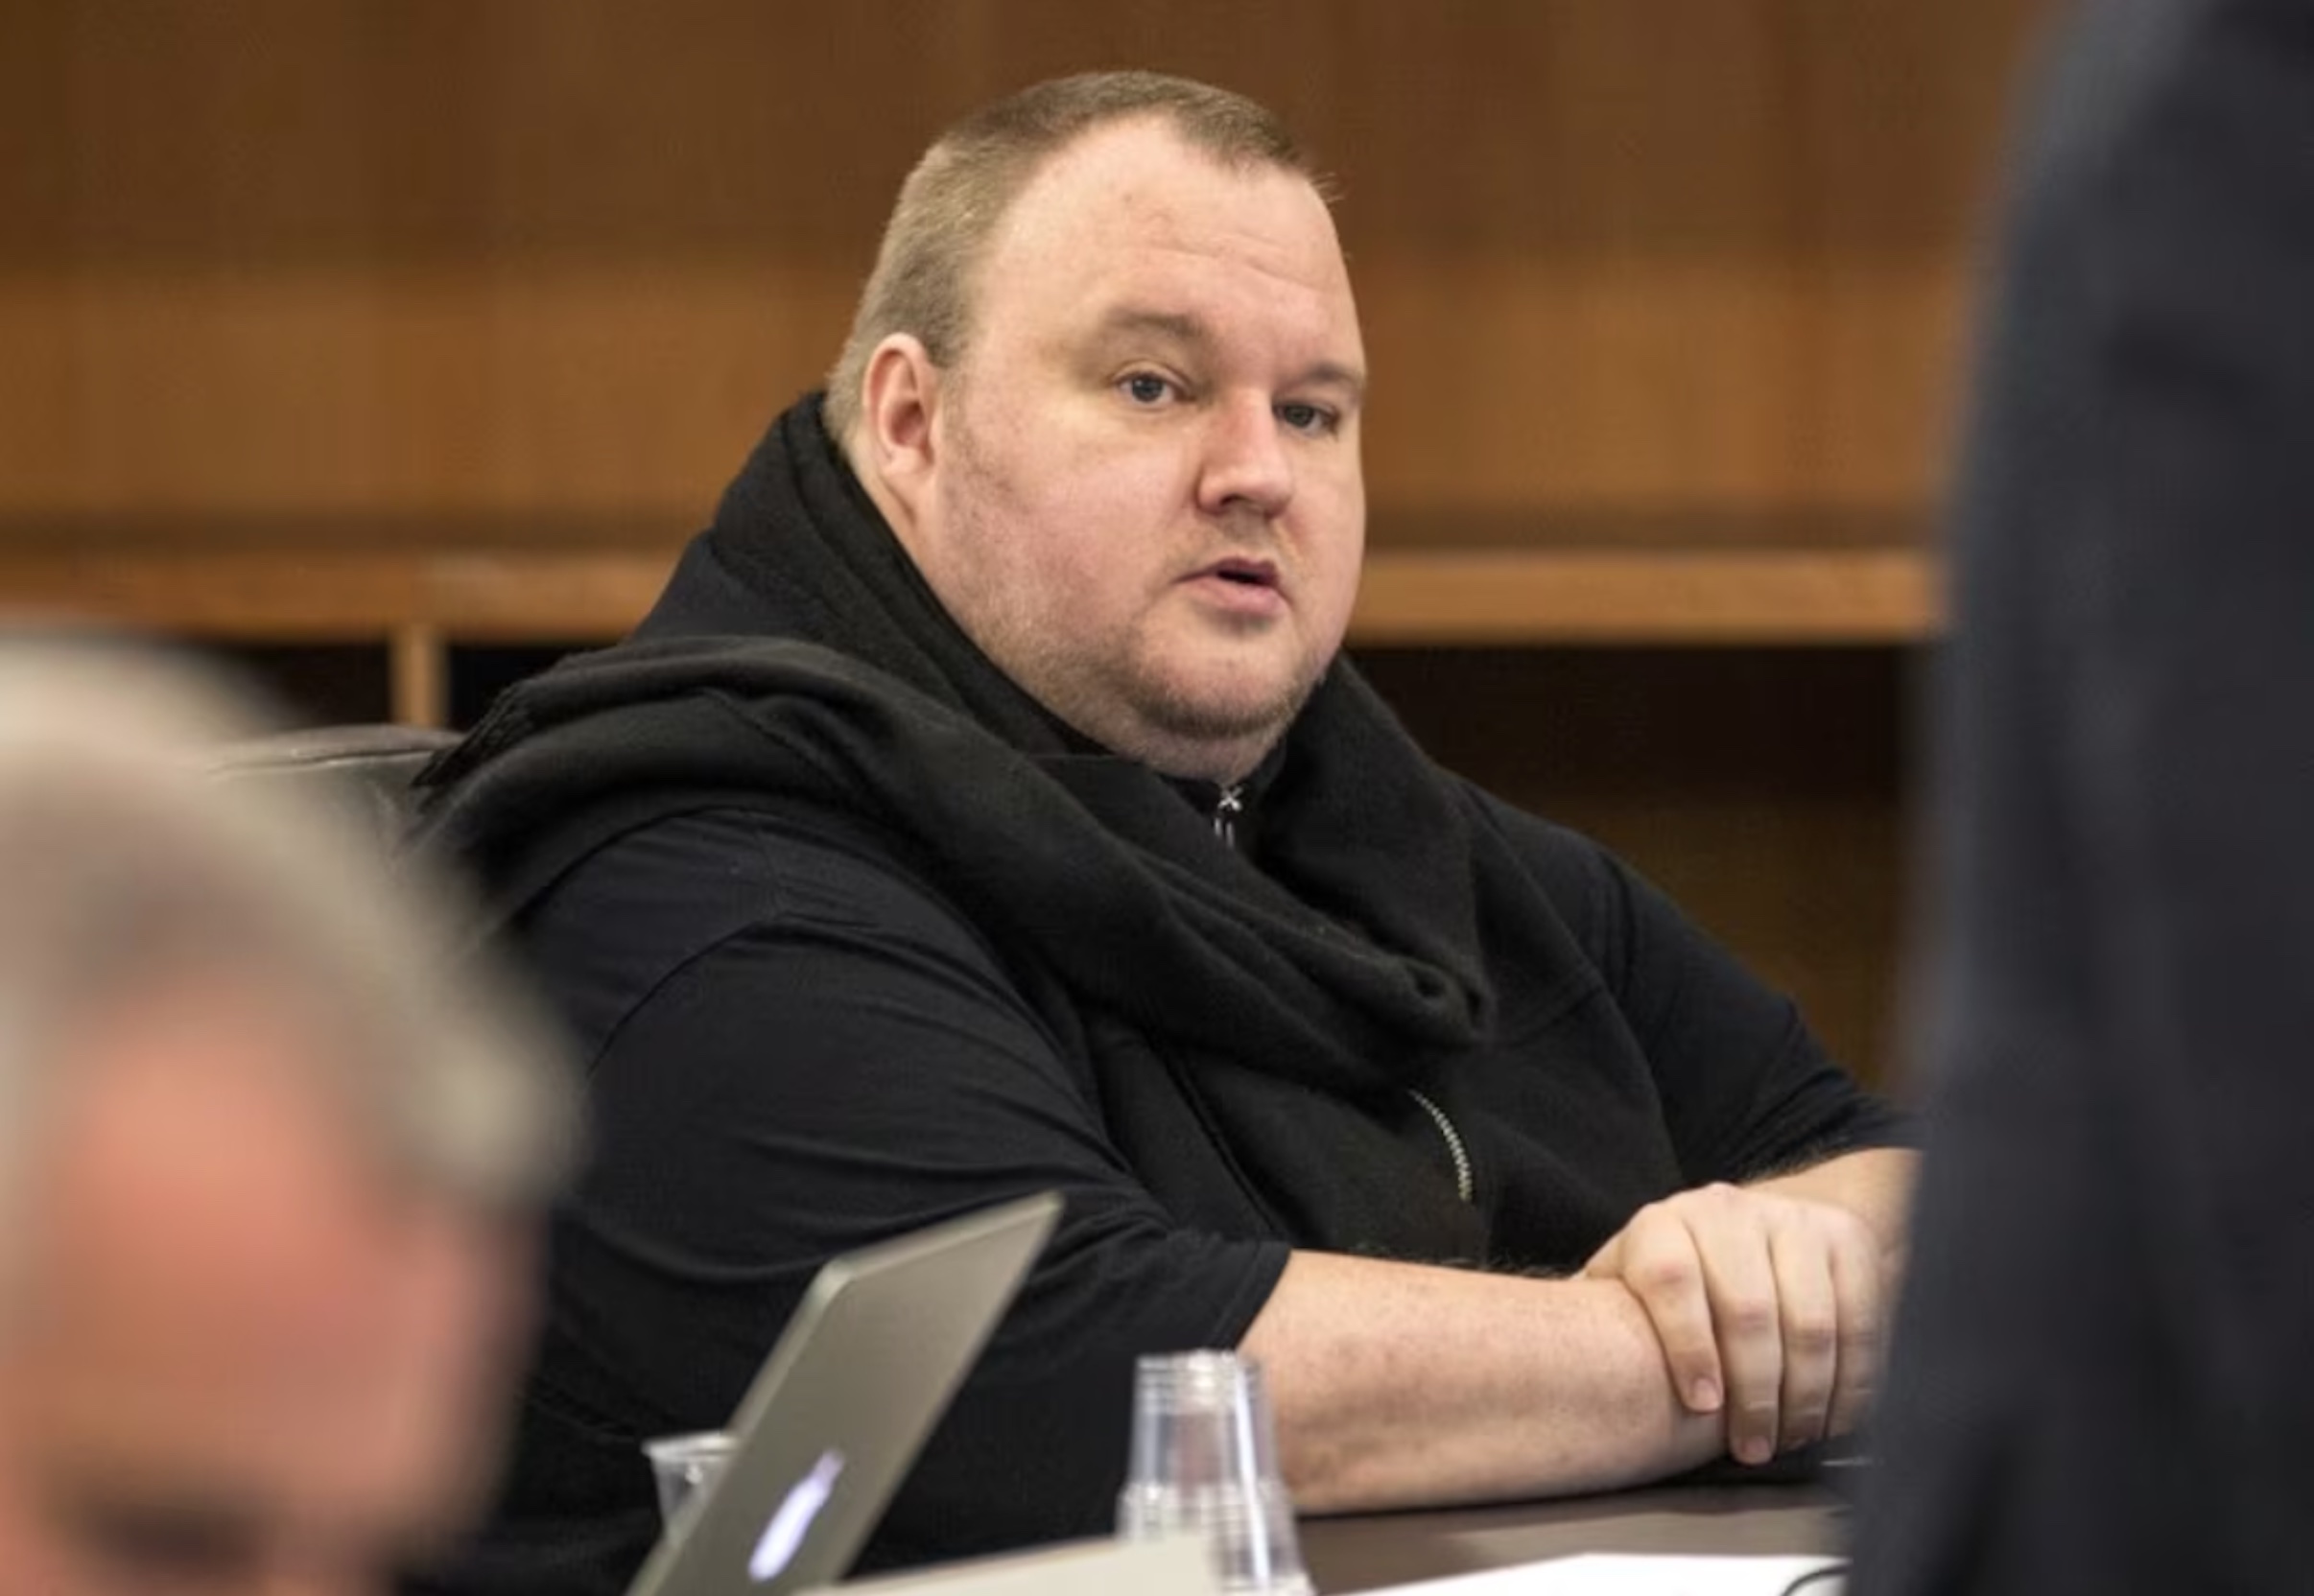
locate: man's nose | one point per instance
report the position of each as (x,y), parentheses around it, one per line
(1247,465)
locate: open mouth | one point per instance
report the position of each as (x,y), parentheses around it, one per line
(1245,573)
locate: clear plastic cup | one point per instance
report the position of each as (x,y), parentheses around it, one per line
(1205,1462)
(684,1465)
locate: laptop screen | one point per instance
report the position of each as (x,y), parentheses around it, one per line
(833,1422)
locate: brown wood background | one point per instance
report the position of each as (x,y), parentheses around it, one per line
(1685,276)
(1624,263)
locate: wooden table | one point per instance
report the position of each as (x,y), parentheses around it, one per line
(1373,1550)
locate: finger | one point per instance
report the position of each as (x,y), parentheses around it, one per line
(1808,1304)
(1740,1279)
(1662,1268)
(1863,1287)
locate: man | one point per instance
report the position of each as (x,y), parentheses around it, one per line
(265,1172)
(985,807)
(2097,1378)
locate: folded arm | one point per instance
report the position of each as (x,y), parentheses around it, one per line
(802,1084)
(1725,1318)
(1770,1299)
(1399,1384)
(1768,1294)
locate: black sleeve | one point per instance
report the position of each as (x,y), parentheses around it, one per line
(844,1058)
(1747,1090)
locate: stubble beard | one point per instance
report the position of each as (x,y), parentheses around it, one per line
(1117,691)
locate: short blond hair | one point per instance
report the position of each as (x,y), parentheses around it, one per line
(925,278)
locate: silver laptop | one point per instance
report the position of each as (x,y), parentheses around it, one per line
(844,1403)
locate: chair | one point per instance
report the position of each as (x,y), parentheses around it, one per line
(366,768)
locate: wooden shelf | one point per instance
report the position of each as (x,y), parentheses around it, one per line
(1648,595)
(420,599)
(340,595)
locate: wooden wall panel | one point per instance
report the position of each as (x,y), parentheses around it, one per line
(1622,262)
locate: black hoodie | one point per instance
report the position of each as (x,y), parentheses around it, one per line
(1413,1022)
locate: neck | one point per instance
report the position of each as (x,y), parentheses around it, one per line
(1224,765)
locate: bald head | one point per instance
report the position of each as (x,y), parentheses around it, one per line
(929,269)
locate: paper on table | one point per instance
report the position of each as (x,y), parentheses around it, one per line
(1615,1574)
(1176,1567)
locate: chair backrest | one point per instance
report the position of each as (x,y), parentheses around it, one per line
(368,769)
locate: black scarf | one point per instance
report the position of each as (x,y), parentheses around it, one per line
(1255,1030)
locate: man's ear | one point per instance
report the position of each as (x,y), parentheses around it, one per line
(899,407)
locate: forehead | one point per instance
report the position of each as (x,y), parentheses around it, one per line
(1131,212)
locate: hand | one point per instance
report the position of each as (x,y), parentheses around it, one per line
(1765,1304)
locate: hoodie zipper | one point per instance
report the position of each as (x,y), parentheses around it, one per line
(1228,804)
(1463,1184)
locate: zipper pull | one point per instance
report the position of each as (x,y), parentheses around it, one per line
(1226,809)
(1465,1186)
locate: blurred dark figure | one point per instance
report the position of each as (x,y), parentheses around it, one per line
(266,1167)
(2100,1379)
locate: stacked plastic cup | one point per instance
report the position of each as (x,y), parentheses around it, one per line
(1205,1463)
(683,1467)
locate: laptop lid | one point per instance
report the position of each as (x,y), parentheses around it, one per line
(865,1369)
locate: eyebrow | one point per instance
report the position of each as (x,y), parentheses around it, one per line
(1193,331)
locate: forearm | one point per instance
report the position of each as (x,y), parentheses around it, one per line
(1874,1185)
(1398,1385)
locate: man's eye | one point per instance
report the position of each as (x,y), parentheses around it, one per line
(1313,419)
(1145,387)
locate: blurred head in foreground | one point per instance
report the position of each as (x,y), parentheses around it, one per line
(266,1165)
